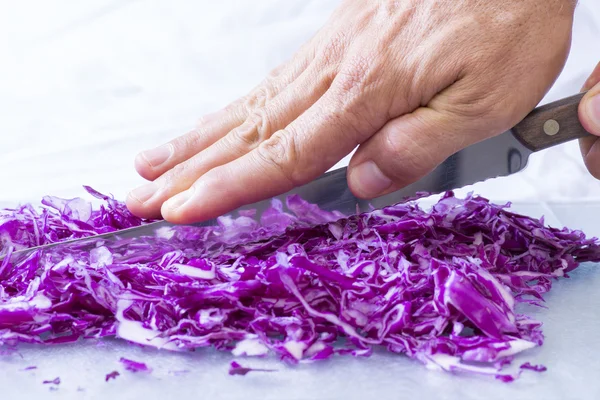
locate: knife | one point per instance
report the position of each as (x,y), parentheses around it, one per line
(502,155)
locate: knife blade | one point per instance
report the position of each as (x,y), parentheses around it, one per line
(502,155)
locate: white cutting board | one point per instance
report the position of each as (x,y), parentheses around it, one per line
(571,326)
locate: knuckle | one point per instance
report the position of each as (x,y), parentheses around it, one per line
(334,49)
(280,152)
(245,134)
(260,96)
(256,129)
(355,76)
(262,123)
(354,94)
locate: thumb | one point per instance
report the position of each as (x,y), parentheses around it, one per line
(589,108)
(406,149)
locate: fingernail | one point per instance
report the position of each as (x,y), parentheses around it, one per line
(593,108)
(370,180)
(158,155)
(144,193)
(179,200)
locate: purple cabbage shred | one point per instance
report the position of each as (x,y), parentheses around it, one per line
(536,368)
(111,375)
(440,286)
(55,381)
(236,369)
(134,366)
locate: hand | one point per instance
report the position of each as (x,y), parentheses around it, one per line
(410,82)
(589,114)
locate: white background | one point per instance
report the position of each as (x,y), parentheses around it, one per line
(85,85)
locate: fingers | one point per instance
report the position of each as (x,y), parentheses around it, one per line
(589,115)
(152,163)
(590,149)
(292,156)
(589,108)
(258,127)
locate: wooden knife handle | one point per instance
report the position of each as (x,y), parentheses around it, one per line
(551,124)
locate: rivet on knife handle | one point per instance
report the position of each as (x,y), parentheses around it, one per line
(551,125)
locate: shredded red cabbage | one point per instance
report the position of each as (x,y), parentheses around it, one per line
(536,368)
(134,366)
(236,369)
(439,286)
(55,381)
(111,375)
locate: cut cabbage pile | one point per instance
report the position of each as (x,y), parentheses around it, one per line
(439,286)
